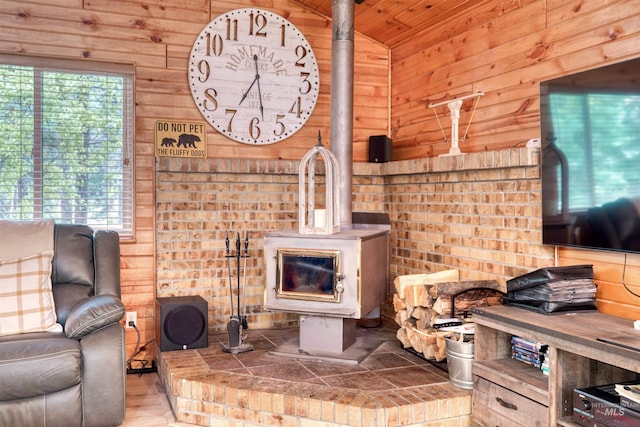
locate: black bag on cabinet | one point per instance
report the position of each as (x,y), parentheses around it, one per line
(553,289)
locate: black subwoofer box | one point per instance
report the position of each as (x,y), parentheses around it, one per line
(380,149)
(181,322)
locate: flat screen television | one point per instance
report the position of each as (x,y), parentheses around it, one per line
(590,132)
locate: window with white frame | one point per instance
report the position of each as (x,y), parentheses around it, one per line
(67,142)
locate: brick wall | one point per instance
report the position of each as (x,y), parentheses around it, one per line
(479,213)
(197,203)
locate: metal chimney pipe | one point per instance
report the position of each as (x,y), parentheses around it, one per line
(342,101)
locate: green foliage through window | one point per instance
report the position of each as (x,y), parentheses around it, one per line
(67,143)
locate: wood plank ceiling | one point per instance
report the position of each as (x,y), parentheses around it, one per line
(392,22)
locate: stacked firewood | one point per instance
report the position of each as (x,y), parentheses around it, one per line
(424,300)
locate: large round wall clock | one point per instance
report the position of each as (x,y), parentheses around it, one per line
(253,76)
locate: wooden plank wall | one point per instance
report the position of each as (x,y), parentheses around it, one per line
(157,37)
(505,49)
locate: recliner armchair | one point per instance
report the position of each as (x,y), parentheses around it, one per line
(614,225)
(75,377)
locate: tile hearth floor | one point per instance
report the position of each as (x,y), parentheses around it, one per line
(390,387)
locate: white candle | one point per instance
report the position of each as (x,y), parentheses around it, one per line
(320,218)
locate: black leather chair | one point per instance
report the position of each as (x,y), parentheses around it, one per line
(75,377)
(614,225)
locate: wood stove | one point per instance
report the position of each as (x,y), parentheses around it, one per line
(329,274)
(339,275)
(330,280)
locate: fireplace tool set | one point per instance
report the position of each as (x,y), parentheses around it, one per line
(238,320)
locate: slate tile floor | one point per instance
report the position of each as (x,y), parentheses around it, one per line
(388,367)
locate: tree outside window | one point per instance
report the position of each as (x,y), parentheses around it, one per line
(67,144)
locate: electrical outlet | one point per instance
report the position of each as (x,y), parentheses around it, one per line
(132,317)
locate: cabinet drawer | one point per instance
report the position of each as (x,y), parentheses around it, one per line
(494,405)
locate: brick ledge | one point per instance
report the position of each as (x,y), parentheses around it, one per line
(510,158)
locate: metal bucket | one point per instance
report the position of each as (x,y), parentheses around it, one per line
(459,363)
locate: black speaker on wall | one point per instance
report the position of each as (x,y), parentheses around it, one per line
(181,322)
(379,149)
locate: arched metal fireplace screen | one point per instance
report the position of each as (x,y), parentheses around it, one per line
(307,274)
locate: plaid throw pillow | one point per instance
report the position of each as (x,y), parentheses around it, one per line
(26,299)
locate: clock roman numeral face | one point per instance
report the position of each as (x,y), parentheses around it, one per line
(253,76)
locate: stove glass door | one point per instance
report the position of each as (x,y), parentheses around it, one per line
(308,274)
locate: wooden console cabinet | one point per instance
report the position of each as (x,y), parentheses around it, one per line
(508,393)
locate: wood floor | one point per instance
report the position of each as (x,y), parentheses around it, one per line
(147,405)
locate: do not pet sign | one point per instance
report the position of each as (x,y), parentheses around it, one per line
(181,139)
